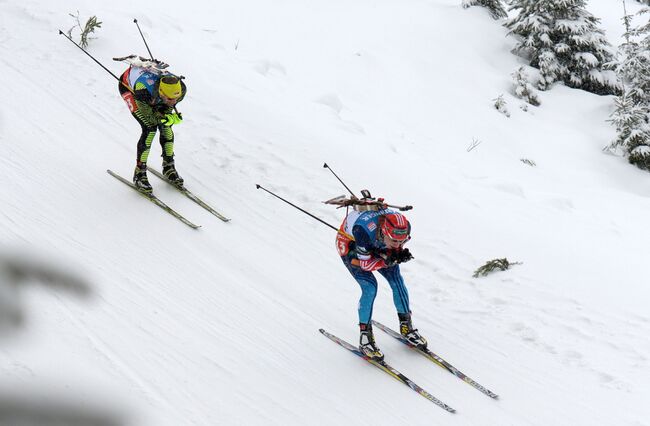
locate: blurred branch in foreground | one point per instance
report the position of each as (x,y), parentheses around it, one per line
(42,410)
(25,268)
(42,404)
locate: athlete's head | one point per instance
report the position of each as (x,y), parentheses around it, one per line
(170,89)
(395,230)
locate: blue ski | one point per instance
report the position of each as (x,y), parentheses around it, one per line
(438,360)
(383,366)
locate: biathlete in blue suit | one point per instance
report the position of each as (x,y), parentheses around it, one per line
(378,245)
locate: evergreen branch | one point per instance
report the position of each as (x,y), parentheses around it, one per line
(91,24)
(90,27)
(493,264)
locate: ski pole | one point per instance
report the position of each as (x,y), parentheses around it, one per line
(143,39)
(306,212)
(335,175)
(98,63)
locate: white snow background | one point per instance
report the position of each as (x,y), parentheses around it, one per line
(219,326)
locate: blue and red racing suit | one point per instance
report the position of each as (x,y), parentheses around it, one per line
(362,256)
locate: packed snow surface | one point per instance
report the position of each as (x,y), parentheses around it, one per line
(220,325)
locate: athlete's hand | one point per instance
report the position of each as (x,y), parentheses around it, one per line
(404,255)
(379,252)
(398,256)
(169,120)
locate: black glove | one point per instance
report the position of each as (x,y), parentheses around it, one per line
(398,256)
(405,255)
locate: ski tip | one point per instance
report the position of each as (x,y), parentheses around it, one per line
(321,330)
(257,185)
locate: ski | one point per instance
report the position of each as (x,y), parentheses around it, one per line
(436,359)
(191,196)
(157,201)
(382,365)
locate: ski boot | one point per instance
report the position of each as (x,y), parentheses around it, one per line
(409,333)
(367,344)
(170,173)
(140,179)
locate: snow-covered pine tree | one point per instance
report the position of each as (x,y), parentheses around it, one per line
(632,107)
(633,61)
(501,105)
(635,67)
(523,88)
(561,38)
(495,7)
(633,133)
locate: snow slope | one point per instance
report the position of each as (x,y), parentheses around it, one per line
(220,325)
